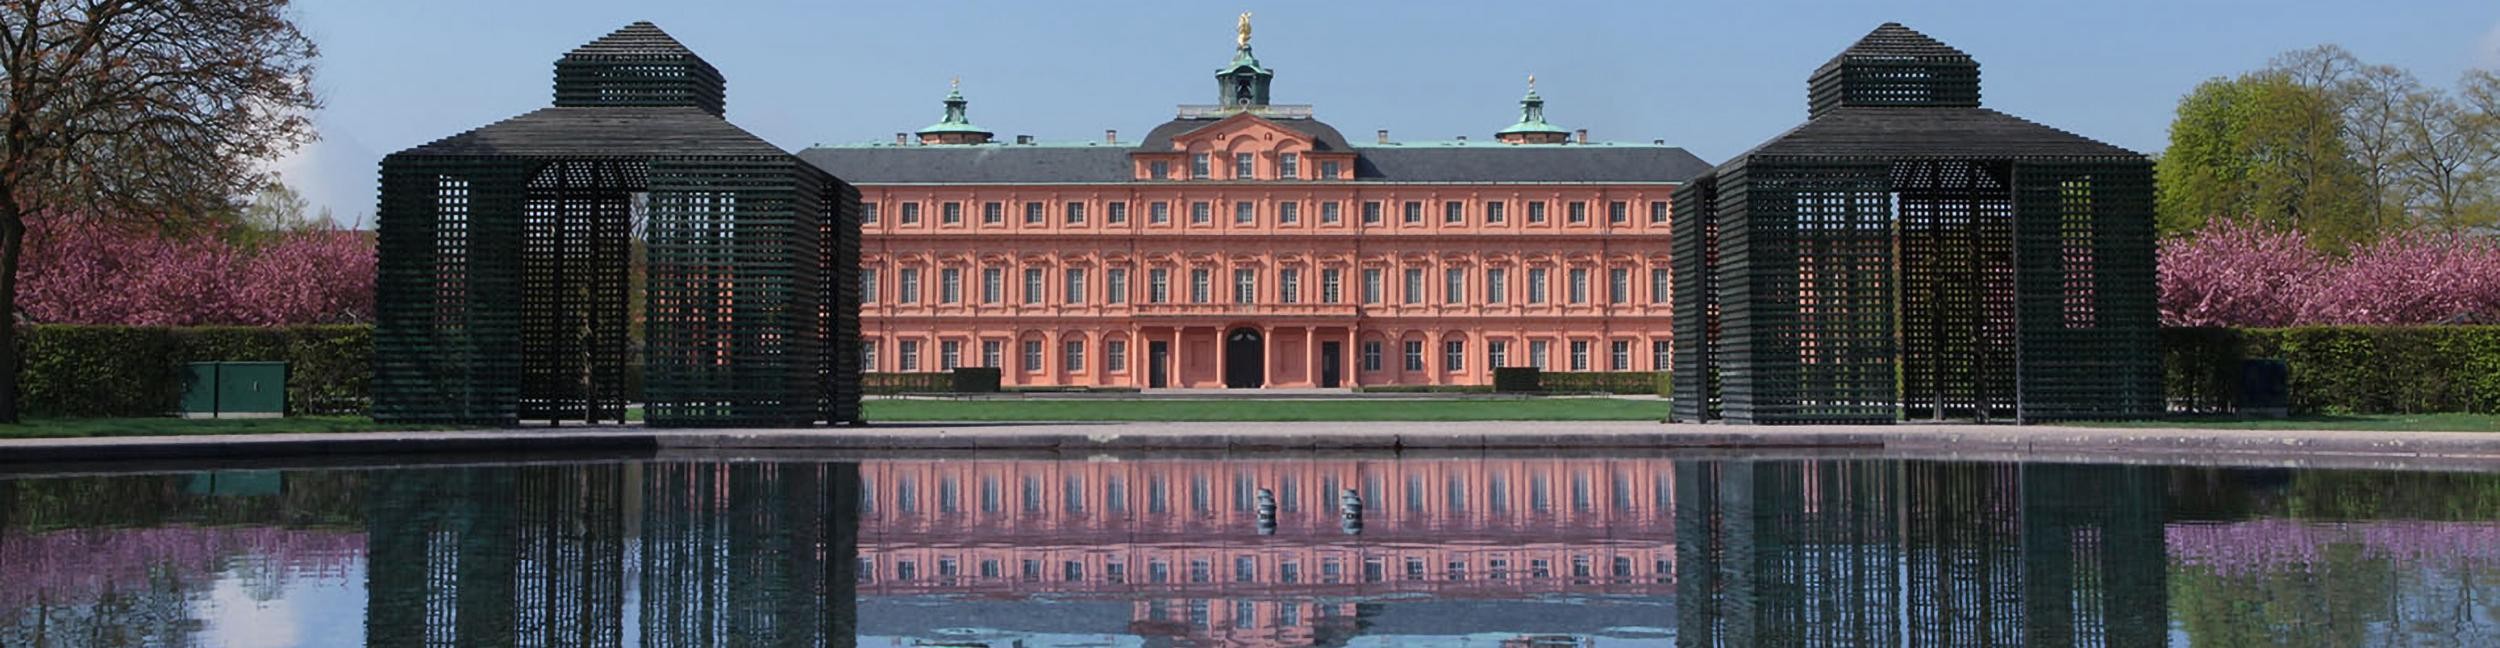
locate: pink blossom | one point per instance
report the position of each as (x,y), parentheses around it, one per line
(84,273)
(2235,274)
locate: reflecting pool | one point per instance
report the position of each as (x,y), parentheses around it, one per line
(1496,551)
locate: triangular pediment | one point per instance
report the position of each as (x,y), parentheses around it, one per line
(1240,125)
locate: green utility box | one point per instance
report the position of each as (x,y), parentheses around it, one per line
(234,390)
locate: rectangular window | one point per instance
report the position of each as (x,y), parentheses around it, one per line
(1115,357)
(993,213)
(991,280)
(1289,285)
(1579,285)
(1330,285)
(1414,212)
(951,213)
(1371,285)
(1245,286)
(1619,356)
(1454,286)
(1158,213)
(1329,212)
(1201,213)
(1657,212)
(1032,285)
(1414,286)
(868,355)
(1414,355)
(1032,213)
(1115,286)
(950,355)
(1289,166)
(1076,213)
(1536,285)
(1659,285)
(1661,355)
(1496,285)
(1328,170)
(1072,355)
(1032,356)
(1536,212)
(868,213)
(1536,354)
(1618,212)
(1199,285)
(1245,166)
(1618,285)
(990,350)
(1198,166)
(911,213)
(1493,212)
(867,285)
(1371,212)
(950,285)
(1159,285)
(1159,170)
(907,354)
(1371,356)
(1073,290)
(911,286)
(1115,213)
(1454,355)
(1579,355)
(1453,212)
(1497,352)
(1579,212)
(1289,212)
(1245,212)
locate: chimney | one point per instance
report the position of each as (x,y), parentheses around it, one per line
(898,138)
(1024,139)
(1582,134)
(1110,136)
(1384,136)
(1659,142)
(1462,138)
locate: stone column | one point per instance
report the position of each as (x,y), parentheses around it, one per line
(1432,358)
(1353,356)
(1051,363)
(1222,335)
(1267,355)
(1310,356)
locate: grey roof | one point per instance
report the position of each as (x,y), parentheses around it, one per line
(1323,136)
(605,131)
(1911,132)
(1488,162)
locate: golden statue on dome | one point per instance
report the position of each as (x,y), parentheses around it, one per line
(1243,39)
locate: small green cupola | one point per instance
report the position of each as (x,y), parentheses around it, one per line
(1532,128)
(1243,82)
(956,128)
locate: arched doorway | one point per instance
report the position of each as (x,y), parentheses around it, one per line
(1245,359)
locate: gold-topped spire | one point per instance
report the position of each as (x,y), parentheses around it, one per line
(957,83)
(1532,83)
(1243,38)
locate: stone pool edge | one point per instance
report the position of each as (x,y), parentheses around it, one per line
(2181,445)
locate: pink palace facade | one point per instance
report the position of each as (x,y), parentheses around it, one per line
(1247,244)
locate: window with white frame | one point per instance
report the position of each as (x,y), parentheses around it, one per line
(907,355)
(993,282)
(1371,285)
(1493,212)
(1245,212)
(1330,212)
(1657,212)
(1537,280)
(911,213)
(1245,286)
(1453,212)
(1619,356)
(1115,355)
(1200,280)
(1453,355)
(868,355)
(1289,285)
(1618,285)
(910,287)
(1659,284)
(1032,286)
(1115,286)
(1158,285)
(950,285)
(868,213)
(1618,212)
(1245,166)
(1414,286)
(1159,170)
(1076,213)
(1198,166)
(951,213)
(1661,355)
(1537,353)
(1158,212)
(1579,355)
(1032,356)
(1033,213)
(1579,212)
(1496,285)
(1330,285)
(1536,212)
(1579,285)
(1072,355)
(1328,169)
(1115,213)
(1289,212)
(1414,212)
(950,354)
(1201,213)
(867,285)
(1414,355)
(993,213)
(1371,212)
(990,350)
(1454,286)
(1497,353)
(1371,356)
(1074,290)
(1289,166)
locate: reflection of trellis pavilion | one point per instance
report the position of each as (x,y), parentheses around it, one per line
(1906,252)
(506,256)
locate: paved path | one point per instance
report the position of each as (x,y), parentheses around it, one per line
(1935,441)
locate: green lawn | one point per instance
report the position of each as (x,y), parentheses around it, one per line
(104,427)
(1532,409)
(2363,422)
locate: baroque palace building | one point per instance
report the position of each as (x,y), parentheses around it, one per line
(1249,244)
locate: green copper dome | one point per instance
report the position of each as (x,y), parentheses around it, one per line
(1532,116)
(955,120)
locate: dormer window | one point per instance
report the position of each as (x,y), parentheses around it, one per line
(1328,170)
(1159,170)
(1245,166)
(1289,166)
(1198,166)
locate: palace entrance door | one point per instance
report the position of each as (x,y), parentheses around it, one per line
(1245,359)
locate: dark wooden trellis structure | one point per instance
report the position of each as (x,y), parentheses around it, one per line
(1907,253)
(507,253)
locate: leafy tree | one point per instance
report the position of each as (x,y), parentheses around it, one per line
(2261,146)
(114,108)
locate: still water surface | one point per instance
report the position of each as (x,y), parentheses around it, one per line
(1494,552)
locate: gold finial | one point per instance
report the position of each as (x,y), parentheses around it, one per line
(957,83)
(1243,39)
(1532,83)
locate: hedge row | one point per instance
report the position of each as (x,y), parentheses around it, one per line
(93,371)
(2343,369)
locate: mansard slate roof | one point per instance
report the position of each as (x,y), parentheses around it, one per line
(592,131)
(1485,162)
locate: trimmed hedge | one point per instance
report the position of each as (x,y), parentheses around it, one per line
(2343,369)
(1517,380)
(1603,382)
(975,380)
(96,371)
(918,382)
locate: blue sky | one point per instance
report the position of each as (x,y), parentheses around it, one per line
(1712,77)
